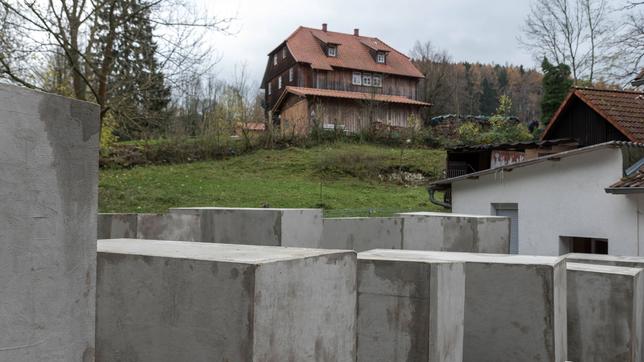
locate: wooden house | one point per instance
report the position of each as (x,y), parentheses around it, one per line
(592,116)
(320,78)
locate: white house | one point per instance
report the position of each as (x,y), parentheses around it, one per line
(588,199)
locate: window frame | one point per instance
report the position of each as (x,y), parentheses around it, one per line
(378,57)
(366,76)
(291,76)
(279,82)
(353,78)
(335,51)
(274,59)
(373,80)
(284,53)
(270,88)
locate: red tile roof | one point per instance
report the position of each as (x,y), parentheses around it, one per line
(353,52)
(636,180)
(316,92)
(622,109)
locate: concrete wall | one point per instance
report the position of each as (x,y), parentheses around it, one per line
(169,227)
(116,226)
(277,227)
(560,198)
(605,313)
(48,188)
(626,261)
(409,309)
(362,233)
(454,232)
(515,305)
(190,301)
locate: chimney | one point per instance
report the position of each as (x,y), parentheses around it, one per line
(356,32)
(324,27)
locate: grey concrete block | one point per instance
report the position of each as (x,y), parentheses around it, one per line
(182,227)
(515,305)
(259,226)
(626,261)
(48,188)
(409,308)
(605,313)
(362,233)
(116,226)
(191,301)
(455,232)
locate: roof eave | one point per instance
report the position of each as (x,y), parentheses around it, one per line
(624,190)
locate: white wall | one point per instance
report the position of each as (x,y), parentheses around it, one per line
(560,198)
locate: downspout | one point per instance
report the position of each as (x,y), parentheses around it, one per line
(434,200)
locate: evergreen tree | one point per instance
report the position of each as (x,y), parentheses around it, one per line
(556,84)
(489,98)
(138,87)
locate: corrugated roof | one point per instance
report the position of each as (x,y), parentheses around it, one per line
(553,157)
(317,92)
(353,52)
(622,109)
(505,146)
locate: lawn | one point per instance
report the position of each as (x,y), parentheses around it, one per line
(339,178)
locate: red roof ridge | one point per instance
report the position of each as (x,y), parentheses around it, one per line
(607,90)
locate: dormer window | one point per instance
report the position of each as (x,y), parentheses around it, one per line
(380,57)
(332,51)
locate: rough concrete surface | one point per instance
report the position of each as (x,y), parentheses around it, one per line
(191,301)
(626,261)
(169,227)
(455,232)
(515,305)
(362,233)
(116,226)
(48,188)
(258,226)
(605,313)
(409,309)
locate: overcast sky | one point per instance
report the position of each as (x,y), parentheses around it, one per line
(470,30)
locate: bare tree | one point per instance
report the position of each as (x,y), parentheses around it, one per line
(571,32)
(437,68)
(86,34)
(627,49)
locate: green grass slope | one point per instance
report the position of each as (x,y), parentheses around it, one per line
(341,178)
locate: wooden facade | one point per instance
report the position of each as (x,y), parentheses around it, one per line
(284,69)
(580,122)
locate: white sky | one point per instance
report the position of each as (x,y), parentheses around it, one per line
(470,30)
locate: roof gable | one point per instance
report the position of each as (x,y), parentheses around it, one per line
(353,52)
(622,109)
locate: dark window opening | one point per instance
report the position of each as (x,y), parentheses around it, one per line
(574,244)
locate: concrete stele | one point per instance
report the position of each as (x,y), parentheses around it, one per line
(409,308)
(48,188)
(515,305)
(605,313)
(362,233)
(192,301)
(258,226)
(436,231)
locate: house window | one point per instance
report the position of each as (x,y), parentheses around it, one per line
(279,82)
(377,80)
(269,88)
(380,57)
(357,78)
(366,79)
(290,74)
(573,244)
(284,53)
(275,59)
(510,210)
(332,51)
